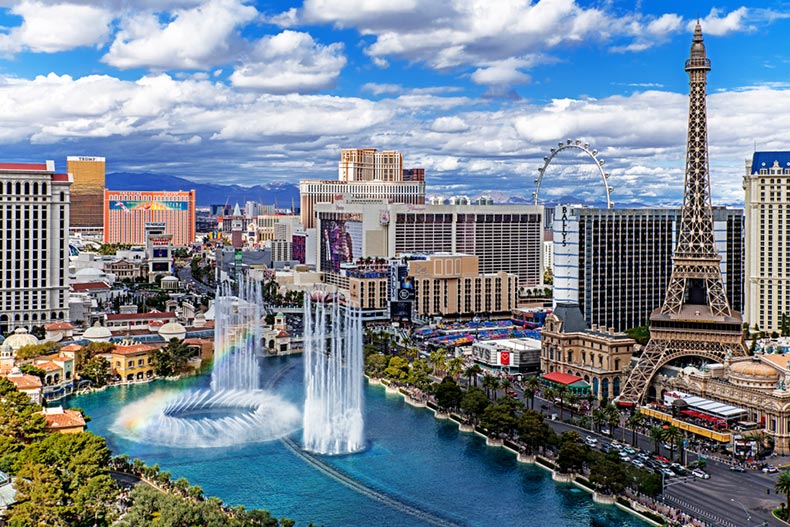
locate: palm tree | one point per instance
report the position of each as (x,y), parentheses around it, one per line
(505,384)
(531,387)
(490,383)
(612,416)
(599,418)
(438,360)
(573,400)
(561,391)
(783,486)
(657,435)
(549,394)
(454,367)
(635,421)
(472,372)
(673,435)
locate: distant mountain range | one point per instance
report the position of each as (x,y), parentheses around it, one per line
(283,194)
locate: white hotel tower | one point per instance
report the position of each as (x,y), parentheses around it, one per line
(767,207)
(34,214)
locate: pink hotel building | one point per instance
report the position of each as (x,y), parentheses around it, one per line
(126,213)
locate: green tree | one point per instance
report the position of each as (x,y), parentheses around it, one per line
(782,486)
(95,501)
(474,403)
(472,372)
(438,360)
(96,370)
(531,387)
(398,369)
(448,394)
(454,367)
(21,421)
(635,421)
(376,363)
(498,419)
(490,385)
(641,334)
(32,351)
(648,484)
(672,435)
(572,456)
(657,435)
(40,498)
(419,375)
(608,476)
(532,431)
(599,418)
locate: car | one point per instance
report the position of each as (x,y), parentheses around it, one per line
(616,445)
(770,469)
(698,473)
(624,456)
(644,456)
(668,473)
(679,469)
(637,463)
(630,451)
(511,393)
(737,468)
(591,440)
(663,460)
(605,431)
(605,448)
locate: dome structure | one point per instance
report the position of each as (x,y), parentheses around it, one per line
(753,373)
(172,330)
(89,274)
(20,338)
(97,333)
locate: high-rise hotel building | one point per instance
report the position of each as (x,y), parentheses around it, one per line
(767,204)
(126,213)
(87,192)
(616,263)
(364,176)
(34,211)
(506,238)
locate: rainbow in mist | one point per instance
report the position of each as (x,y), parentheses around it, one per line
(235,410)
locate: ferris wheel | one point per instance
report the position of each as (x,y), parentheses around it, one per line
(585,155)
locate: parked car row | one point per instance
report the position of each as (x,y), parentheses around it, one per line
(643,460)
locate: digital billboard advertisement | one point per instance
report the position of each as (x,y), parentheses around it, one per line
(130,205)
(341,240)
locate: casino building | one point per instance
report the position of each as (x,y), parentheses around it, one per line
(126,213)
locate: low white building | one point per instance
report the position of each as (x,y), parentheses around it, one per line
(512,355)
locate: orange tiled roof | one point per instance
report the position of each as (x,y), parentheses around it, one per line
(71,347)
(132,350)
(48,366)
(58,325)
(67,419)
(25,381)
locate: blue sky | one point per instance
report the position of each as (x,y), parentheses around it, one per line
(474,91)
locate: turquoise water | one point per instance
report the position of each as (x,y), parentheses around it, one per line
(427,471)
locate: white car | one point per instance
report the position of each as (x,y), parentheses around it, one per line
(637,463)
(697,473)
(591,440)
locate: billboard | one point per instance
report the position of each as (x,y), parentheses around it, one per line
(400,311)
(341,240)
(406,288)
(566,255)
(146,205)
(160,267)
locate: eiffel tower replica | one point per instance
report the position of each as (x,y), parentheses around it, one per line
(695,319)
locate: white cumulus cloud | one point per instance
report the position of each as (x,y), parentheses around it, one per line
(194,38)
(52,27)
(290,62)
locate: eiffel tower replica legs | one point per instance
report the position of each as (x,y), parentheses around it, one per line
(696,319)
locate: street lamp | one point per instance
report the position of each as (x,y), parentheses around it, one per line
(748,516)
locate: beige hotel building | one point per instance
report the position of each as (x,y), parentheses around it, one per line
(767,244)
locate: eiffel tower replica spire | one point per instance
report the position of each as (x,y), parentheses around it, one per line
(695,319)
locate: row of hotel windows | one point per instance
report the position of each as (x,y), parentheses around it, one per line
(20,189)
